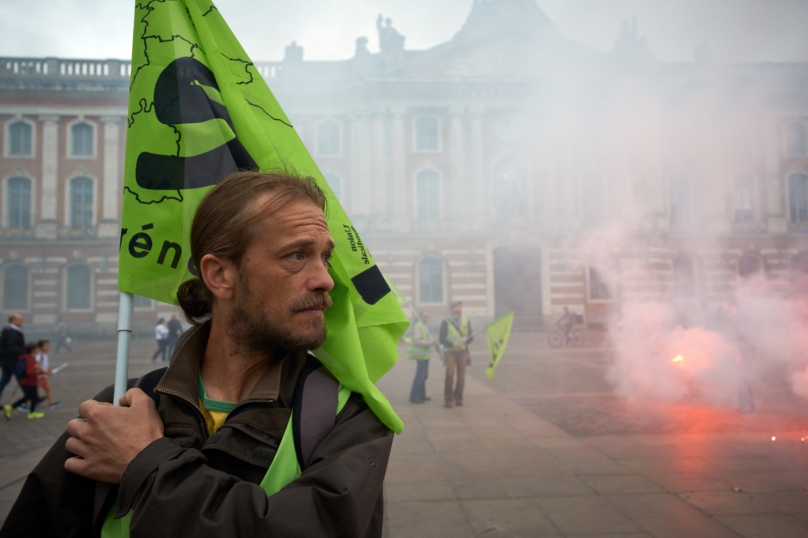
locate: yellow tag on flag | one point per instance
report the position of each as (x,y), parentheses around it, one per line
(498,333)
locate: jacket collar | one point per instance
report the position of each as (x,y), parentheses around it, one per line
(181,376)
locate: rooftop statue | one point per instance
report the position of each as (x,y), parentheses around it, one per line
(390,41)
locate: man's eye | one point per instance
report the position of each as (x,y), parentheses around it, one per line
(297,256)
(326,259)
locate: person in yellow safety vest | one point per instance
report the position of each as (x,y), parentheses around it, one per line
(455,336)
(418,350)
(217,456)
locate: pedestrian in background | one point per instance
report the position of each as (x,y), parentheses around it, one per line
(174,332)
(161,335)
(43,346)
(418,350)
(62,339)
(28,382)
(12,345)
(455,336)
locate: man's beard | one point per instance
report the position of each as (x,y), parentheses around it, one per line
(251,326)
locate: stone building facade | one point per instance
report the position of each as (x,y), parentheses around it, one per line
(496,168)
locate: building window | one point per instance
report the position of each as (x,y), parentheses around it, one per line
(15,288)
(509,193)
(742,199)
(328,139)
(335,183)
(748,265)
(78,287)
(82,137)
(426,134)
(81,202)
(598,289)
(430,280)
(795,139)
(19,203)
(142,302)
(20,139)
(592,198)
(684,278)
(799,263)
(427,188)
(679,189)
(798,198)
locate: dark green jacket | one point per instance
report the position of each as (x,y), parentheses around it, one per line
(192,484)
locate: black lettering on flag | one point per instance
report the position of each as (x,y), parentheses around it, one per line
(371,285)
(180,99)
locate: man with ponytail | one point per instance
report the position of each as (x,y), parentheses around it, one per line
(249,435)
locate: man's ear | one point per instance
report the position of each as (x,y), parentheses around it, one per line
(220,276)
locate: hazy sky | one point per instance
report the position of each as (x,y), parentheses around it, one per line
(737,30)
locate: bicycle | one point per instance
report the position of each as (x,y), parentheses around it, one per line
(556,338)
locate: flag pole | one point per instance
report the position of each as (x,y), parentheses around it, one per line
(126,307)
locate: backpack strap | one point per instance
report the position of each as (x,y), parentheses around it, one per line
(105,493)
(314,409)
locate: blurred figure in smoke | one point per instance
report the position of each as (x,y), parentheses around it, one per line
(733,330)
(418,350)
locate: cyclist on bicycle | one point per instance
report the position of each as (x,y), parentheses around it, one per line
(565,323)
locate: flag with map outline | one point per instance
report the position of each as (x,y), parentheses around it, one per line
(498,333)
(199,110)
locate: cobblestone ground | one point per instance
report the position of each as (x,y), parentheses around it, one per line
(91,367)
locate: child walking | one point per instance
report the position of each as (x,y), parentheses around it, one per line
(28,383)
(43,346)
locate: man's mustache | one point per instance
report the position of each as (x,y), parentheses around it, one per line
(311,301)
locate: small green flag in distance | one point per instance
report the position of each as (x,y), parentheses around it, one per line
(402,301)
(498,333)
(199,110)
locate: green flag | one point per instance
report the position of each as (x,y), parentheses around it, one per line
(199,110)
(498,333)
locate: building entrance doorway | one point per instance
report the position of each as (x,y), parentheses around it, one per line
(517,285)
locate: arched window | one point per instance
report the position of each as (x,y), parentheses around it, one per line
(798,198)
(508,184)
(427,188)
(748,265)
(81,202)
(426,134)
(679,190)
(15,288)
(78,287)
(19,202)
(328,139)
(82,136)
(592,197)
(743,198)
(684,278)
(335,183)
(430,280)
(795,139)
(20,139)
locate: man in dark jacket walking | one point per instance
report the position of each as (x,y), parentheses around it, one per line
(174,332)
(12,345)
(203,462)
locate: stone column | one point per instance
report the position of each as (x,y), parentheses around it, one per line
(776,216)
(459,213)
(478,179)
(401,218)
(361,158)
(46,227)
(109,226)
(379,177)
